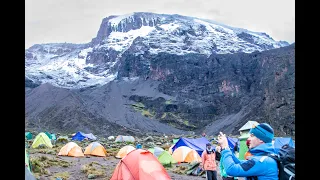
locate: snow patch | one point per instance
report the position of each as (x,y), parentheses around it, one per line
(122,40)
(83,53)
(169,27)
(127,79)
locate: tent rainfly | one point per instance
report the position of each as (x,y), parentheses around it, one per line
(140,164)
(41,139)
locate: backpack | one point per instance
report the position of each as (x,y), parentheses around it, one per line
(286,162)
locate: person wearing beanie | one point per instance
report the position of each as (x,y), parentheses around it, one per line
(259,165)
(208,163)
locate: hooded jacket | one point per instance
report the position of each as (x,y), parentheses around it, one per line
(259,164)
(209,161)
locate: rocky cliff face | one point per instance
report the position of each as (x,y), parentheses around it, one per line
(147,72)
(137,34)
(260,86)
(179,94)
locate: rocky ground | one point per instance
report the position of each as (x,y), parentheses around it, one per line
(46,164)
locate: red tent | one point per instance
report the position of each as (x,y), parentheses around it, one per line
(140,164)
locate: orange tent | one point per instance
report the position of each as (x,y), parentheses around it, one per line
(95,149)
(71,149)
(185,154)
(124,151)
(140,164)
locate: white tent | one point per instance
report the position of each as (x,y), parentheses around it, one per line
(248,125)
(91,136)
(121,138)
(111,138)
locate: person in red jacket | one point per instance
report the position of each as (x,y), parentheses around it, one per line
(209,162)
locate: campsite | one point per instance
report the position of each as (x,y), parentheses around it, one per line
(55,162)
(86,156)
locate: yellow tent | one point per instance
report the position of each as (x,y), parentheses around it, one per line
(71,149)
(186,154)
(124,151)
(95,149)
(41,138)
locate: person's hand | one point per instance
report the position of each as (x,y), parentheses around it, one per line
(218,149)
(222,139)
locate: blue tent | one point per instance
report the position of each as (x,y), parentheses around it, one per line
(198,144)
(79,136)
(280,141)
(232,142)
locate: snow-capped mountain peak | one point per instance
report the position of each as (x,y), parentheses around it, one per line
(81,65)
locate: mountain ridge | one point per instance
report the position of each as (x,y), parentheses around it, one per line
(161,74)
(95,63)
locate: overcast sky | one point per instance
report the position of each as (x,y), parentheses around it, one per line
(78,21)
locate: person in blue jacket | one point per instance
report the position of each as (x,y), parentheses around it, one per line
(259,165)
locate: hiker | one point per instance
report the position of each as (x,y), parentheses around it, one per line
(203,134)
(138,146)
(260,165)
(247,154)
(208,163)
(222,169)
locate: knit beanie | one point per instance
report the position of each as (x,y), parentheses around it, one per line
(264,132)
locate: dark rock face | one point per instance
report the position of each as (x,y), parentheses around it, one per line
(103,32)
(30,84)
(176,94)
(100,57)
(207,89)
(247,37)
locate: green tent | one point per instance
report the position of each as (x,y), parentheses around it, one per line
(28,135)
(165,158)
(174,141)
(243,146)
(53,137)
(156,151)
(41,138)
(49,135)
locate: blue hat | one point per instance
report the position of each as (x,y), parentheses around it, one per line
(263,131)
(208,144)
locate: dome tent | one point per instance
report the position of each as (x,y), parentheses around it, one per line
(71,149)
(41,139)
(95,149)
(140,164)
